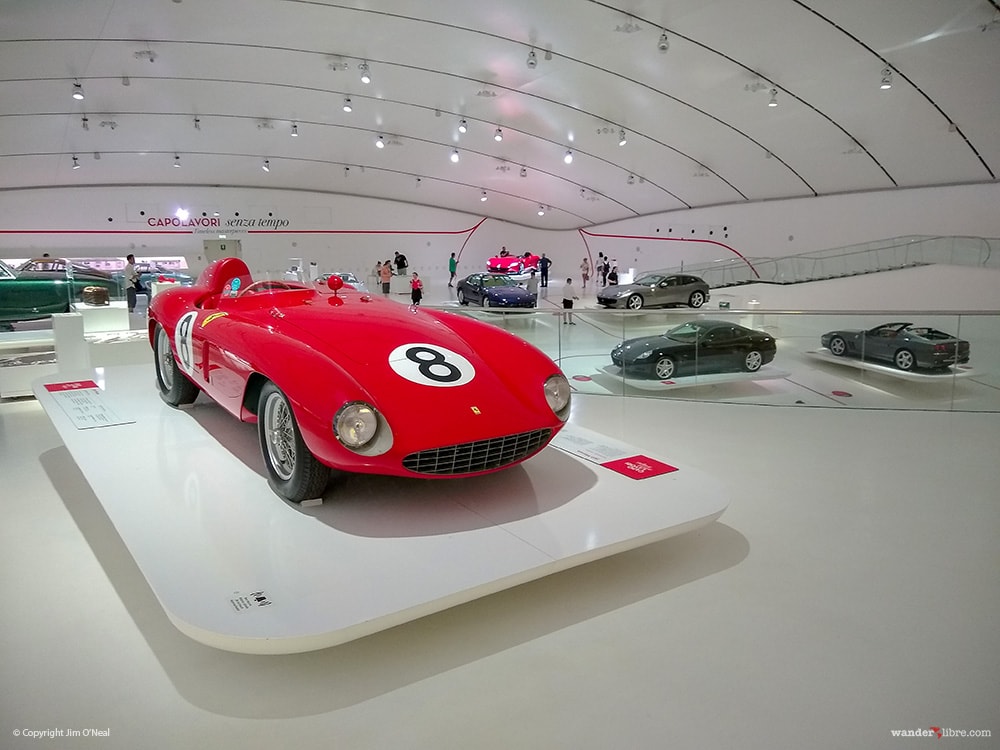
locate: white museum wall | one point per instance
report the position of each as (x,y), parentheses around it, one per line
(341,232)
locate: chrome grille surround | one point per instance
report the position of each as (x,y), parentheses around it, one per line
(477,456)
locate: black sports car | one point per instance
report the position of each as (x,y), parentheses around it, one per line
(905,345)
(696,347)
(493,290)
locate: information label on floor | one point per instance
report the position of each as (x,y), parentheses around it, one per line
(83,402)
(609,453)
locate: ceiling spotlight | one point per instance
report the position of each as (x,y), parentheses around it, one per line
(85,122)
(76,164)
(454,156)
(126,81)
(622,140)
(498,136)
(295,130)
(197,123)
(630,180)
(886,79)
(774,98)
(524,171)
(568,158)
(347,171)
(664,44)
(177,161)
(347,104)
(365,73)
(77,91)
(463,127)
(419,180)
(532,60)
(266,166)
(380,142)
(483,196)
(541,210)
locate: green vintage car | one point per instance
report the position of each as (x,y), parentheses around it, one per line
(46,287)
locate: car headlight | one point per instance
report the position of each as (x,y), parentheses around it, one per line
(644,355)
(623,292)
(557,395)
(356,424)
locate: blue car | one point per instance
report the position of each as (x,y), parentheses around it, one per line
(493,290)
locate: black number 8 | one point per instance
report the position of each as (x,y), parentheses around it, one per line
(436,358)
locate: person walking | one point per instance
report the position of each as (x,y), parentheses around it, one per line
(568,295)
(131,281)
(543,268)
(416,289)
(385,276)
(585,272)
(533,286)
(452,269)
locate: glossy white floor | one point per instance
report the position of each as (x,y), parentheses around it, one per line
(850,589)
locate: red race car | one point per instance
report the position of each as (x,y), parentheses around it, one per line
(505,264)
(337,379)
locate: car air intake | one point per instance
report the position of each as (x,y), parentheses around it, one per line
(480,455)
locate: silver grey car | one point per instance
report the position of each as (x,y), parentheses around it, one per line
(656,289)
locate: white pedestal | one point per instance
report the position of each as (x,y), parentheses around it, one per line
(72,351)
(237,568)
(101,318)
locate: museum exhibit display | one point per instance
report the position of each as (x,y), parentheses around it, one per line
(505,264)
(907,346)
(698,346)
(150,272)
(348,278)
(656,290)
(493,290)
(340,379)
(42,287)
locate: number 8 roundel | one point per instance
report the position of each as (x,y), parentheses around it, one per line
(429,364)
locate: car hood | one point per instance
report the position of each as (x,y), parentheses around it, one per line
(508,292)
(504,394)
(616,290)
(635,347)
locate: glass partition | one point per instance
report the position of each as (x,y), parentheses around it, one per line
(871,360)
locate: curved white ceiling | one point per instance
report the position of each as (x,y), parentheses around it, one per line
(218,87)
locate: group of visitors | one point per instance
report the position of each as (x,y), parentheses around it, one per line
(606,270)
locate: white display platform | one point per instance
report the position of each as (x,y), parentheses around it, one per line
(25,356)
(767,372)
(237,568)
(922,376)
(99,318)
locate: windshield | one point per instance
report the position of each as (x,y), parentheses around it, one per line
(650,278)
(6,272)
(690,331)
(498,281)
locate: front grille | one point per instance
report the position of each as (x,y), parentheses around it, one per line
(477,456)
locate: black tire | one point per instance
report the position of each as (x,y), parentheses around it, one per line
(174,386)
(904,360)
(462,300)
(697,299)
(838,347)
(484,301)
(293,472)
(665,368)
(634,302)
(753,361)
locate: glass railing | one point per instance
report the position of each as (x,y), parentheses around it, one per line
(944,361)
(868,257)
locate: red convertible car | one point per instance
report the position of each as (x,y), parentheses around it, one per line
(337,379)
(505,264)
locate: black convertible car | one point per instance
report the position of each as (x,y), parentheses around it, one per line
(697,347)
(905,345)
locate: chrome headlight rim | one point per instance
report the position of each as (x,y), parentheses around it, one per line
(644,354)
(347,419)
(557,395)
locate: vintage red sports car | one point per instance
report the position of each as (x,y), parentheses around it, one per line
(337,379)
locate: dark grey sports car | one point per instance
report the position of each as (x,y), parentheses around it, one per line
(493,290)
(653,289)
(905,345)
(698,347)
